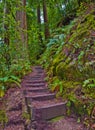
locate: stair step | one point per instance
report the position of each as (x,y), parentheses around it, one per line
(38,68)
(41,97)
(40,71)
(36,89)
(36,78)
(33,94)
(44,103)
(28,87)
(36,84)
(35,81)
(49,111)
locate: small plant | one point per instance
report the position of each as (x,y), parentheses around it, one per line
(3,117)
(27,117)
(89,83)
(2,91)
(57,85)
(4,81)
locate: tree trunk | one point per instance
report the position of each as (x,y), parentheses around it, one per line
(38,14)
(6,23)
(39,23)
(21,19)
(6,35)
(47,34)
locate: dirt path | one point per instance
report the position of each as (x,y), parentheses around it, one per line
(13,104)
(34,98)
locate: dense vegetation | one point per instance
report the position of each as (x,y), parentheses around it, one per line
(69,59)
(59,35)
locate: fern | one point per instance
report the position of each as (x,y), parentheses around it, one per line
(14,81)
(8,79)
(89,83)
(57,85)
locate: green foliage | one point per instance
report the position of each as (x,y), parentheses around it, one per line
(70,61)
(2,91)
(56,119)
(35,45)
(5,82)
(57,85)
(13,72)
(54,47)
(89,83)
(25,115)
(79,50)
(3,118)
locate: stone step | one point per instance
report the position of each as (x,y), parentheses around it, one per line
(28,87)
(38,68)
(34,94)
(36,78)
(35,81)
(35,89)
(40,97)
(48,111)
(40,71)
(36,85)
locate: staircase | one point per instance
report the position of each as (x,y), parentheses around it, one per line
(41,103)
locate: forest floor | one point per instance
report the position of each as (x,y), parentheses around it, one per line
(14,105)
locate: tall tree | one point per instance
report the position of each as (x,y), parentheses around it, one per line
(22,21)
(47,33)
(39,22)
(6,24)
(6,34)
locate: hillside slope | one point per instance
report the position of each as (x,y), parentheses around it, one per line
(70,61)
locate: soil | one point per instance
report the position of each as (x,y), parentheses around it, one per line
(68,123)
(14,105)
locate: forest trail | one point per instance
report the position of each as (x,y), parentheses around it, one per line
(43,105)
(34,99)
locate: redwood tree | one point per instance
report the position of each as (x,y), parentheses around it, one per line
(22,27)
(6,34)
(47,33)
(39,22)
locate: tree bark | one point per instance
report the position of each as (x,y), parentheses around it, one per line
(47,33)
(6,35)
(6,23)
(21,19)
(39,23)
(38,14)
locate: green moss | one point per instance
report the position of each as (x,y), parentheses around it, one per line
(75,62)
(57,119)
(3,117)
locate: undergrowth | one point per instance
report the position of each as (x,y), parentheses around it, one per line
(3,118)
(12,72)
(70,61)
